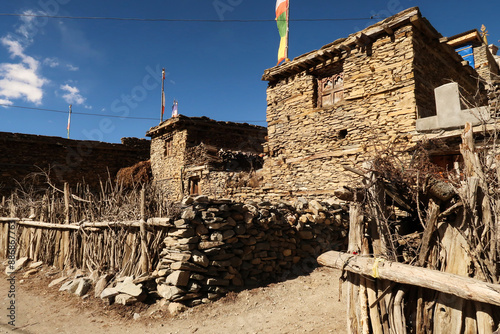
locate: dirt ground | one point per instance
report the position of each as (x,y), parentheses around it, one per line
(307,304)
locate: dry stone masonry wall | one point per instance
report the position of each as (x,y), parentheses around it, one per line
(308,144)
(219,246)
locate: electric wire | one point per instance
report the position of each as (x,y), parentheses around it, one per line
(103,115)
(184,20)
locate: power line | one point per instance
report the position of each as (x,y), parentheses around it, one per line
(182,20)
(102,115)
(76,113)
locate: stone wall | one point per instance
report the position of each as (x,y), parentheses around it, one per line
(387,85)
(308,145)
(68,160)
(434,67)
(167,166)
(485,63)
(174,141)
(218,246)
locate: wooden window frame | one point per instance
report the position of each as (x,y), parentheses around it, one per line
(168,147)
(333,94)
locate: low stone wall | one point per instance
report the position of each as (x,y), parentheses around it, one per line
(218,245)
(66,160)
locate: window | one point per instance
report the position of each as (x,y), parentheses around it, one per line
(330,90)
(194,185)
(168,147)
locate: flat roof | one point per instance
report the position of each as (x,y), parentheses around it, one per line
(182,121)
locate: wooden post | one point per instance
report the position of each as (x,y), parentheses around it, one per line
(372,296)
(12,207)
(65,234)
(66,202)
(430,227)
(143,204)
(143,233)
(354,324)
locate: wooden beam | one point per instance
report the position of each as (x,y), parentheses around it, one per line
(460,286)
(362,39)
(387,29)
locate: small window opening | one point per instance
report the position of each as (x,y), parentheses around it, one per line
(168,151)
(342,133)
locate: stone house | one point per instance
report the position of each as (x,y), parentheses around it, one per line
(335,106)
(198,155)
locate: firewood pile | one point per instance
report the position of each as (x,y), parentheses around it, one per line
(223,159)
(432,221)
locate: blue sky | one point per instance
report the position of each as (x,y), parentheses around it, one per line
(213,69)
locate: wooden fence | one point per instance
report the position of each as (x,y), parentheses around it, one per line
(129,248)
(424,248)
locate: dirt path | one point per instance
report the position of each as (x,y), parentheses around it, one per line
(307,304)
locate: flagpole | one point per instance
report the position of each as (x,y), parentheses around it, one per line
(162,94)
(287,30)
(69,119)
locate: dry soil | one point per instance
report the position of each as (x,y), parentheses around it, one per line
(306,304)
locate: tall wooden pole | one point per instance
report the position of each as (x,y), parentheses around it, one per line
(162,94)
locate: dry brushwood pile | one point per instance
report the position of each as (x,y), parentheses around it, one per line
(434,221)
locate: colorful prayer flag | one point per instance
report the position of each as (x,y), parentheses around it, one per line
(282,7)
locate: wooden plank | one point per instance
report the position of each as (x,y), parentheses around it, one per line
(430,227)
(463,287)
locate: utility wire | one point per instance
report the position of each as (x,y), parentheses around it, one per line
(182,20)
(100,115)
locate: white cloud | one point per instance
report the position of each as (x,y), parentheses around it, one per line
(73,95)
(4,103)
(20,80)
(27,28)
(72,68)
(51,62)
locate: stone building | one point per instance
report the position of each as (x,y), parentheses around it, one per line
(197,155)
(335,106)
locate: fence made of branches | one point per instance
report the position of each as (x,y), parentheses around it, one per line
(424,243)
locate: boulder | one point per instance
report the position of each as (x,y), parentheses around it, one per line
(128,287)
(83,287)
(170,292)
(18,265)
(101,284)
(178,278)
